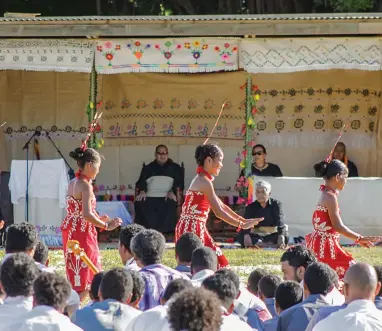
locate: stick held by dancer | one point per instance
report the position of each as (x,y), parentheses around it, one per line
(201,197)
(327,221)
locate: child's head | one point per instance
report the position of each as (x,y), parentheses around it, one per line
(94,288)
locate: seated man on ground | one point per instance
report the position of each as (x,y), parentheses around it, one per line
(155,319)
(204,263)
(339,153)
(160,187)
(51,293)
(287,295)
(94,288)
(125,235)
(317,284)
(148,247)
(272,231)
(184,247)
(195,309)
(378,297)
(360,288)
(138,288)
(267,289)
(17,274)
(112,312)
(226,291)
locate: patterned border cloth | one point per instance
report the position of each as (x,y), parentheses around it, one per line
(290,55)
(46,55)
(188,55)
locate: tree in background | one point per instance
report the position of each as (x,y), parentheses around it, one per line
(185,7)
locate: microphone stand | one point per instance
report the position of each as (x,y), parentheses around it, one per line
(26,148)
(71,171)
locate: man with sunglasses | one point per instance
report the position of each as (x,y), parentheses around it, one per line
(159,193)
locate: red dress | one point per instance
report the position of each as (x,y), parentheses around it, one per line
(194,217)
(324,241)
(75,227)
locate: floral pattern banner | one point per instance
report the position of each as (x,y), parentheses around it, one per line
(302,54)
(142,108)
(189,55)
(46,55)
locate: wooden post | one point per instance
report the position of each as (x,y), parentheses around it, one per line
(93,102)
(248,131)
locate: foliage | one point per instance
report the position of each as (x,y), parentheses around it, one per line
(347,5)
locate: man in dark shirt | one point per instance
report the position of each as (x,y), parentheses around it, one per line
(272,232)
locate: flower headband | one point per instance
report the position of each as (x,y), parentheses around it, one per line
(92,128)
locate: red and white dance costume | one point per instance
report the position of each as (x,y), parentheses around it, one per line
(324,241)
(76,227)
(194,217)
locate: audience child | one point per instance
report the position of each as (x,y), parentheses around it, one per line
(125,235)
(253,280)
(267,289)
(112,311)
(378,297)
(335,297)
(155,319)
(138,288)
(41,254)
(294,262)
(51,293)
(360,287)
(184,247)
(204,263)
(195,309)
(287,295)
(94,288)
(226,291)
(317,284)
(17,275)
(148,247)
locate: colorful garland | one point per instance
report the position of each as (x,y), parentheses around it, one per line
(245,160)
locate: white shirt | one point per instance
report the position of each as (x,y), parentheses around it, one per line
(132,265)
(43,318)
(233,322)
(154,319)
(200,276)
(335,297)
(248,300)
(12,309)
(359,315)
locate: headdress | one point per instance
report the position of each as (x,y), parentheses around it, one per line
(216,123)
(330,156)
(92,127)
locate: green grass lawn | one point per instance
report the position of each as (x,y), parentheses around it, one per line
(242,260)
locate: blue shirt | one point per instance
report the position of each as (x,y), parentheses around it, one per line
(297,318)
(378,302)
(323,313)
(184,269)
(106,315)
(271,325)
(270,303)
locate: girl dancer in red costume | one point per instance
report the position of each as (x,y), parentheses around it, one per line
(201,197)
(82,219)
(327,222)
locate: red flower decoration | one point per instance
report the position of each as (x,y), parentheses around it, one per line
(157,46)
(167,55)
(217,48)
(122,188)
(255,88)
(99,48)
(234,49)
(118,47)
(97,128)
(137,43)
(244,153)
(178,46)
(109,56)
(254,110)
(226,45)
(99,104)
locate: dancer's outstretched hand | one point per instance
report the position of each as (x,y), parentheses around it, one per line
(250,223)
(373,239)
(114,223)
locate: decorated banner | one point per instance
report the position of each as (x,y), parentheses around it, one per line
(149,108)
(46,55)
(166,55)
(302,54)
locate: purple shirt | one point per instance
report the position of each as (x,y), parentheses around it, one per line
(156,277)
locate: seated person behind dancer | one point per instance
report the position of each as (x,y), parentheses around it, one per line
(201,197)
(160,187)
(260,166)
(272,232)
(339,153)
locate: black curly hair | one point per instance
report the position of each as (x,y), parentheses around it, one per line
(223,287)
(254,278)
(318,278)
(268,285)
(328,170)
(185,245)
(21,237)
(138,285)
(288,294)
(174,287)
(117,284)
(298,256)
(230,274)
(202,152)
(148,247)
(195,309)
(378,270)
(127,233)
(41,253)
(94,287)
(89,155)
(51,290)
(17,274)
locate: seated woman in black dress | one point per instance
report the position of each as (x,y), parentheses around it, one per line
(260,167)
(271,232)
